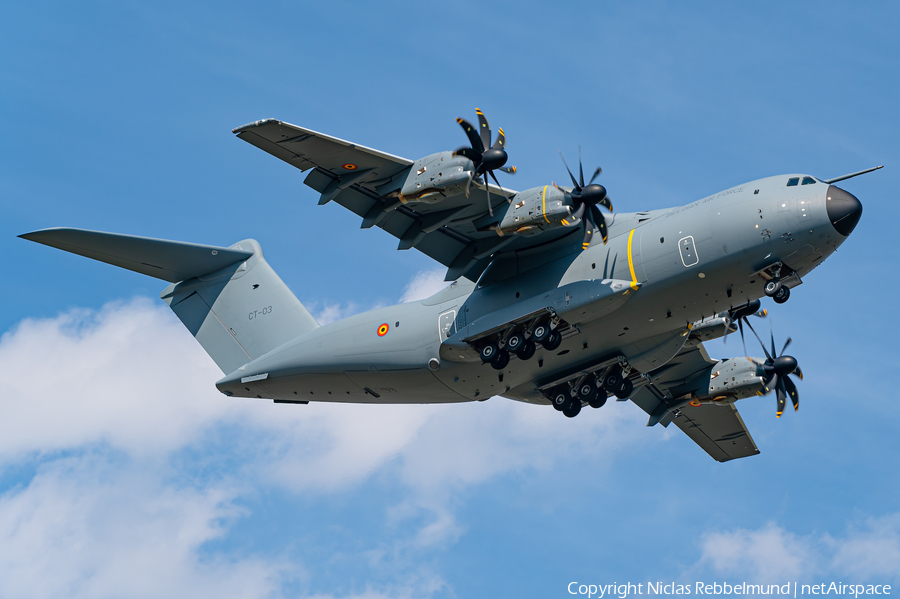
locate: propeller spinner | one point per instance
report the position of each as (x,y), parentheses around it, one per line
(486,157)
(585,199)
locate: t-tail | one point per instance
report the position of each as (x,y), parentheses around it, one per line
(230,299)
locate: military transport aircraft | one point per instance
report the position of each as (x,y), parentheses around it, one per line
(552,301)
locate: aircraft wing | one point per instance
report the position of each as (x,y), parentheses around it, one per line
(718,429)
(453,232)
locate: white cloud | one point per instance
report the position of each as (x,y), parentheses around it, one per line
(103,403)
(130,375)
(425,284)
(85,527)
(866,551)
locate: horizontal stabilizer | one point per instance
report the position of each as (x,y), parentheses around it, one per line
(171,261)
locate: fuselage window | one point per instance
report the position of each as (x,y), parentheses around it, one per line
(793,181)
(808,180)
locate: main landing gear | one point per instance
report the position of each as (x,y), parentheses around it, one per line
(591,391)
(521,342)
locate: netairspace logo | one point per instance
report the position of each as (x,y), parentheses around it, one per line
(790,589)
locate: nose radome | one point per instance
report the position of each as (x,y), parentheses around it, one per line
(844,210)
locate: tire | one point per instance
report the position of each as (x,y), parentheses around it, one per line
(514,342)
(553,340)
(561,400)
(782,295)
(772,287)
(541,332)
(599,401)
(488,352)
(527,350)
(587,391)
(573,410)
(612,380)
(502,359)
(625,389)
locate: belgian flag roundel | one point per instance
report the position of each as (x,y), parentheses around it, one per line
(383,330)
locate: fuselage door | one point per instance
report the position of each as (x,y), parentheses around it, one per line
(447,324)
(688,251)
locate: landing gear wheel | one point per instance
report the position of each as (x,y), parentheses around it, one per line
(782,295)
(625,389)
(488,352)
(553,340)
(599,401)
(541,332)
(587,391)
(527,350)
(573,410)
(772,287)
(613,380)
(561,400)
(502,359)
(514,342)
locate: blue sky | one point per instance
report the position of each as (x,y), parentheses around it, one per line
(124,473)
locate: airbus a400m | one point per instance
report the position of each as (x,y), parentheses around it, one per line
(553,301)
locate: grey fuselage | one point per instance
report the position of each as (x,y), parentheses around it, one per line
(681,264)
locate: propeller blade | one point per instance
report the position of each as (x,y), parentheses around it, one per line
(605,203)
(494,177)
(798,372)
(471,154)
(741,328)
(469,182)
(772,335)
(487,188)
(474,140)
(577,215)
(580,168)
(786,343)
(571,176)
(599,222)
(770,358)
(484,129)
(589,227)
(792,392)
(501,140)
(781,395)
(508,169)
(596,174)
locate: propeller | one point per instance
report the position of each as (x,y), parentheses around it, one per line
(585,199)
(486,157)
(740,314)
(778,367)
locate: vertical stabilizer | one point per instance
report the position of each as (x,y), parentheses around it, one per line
(240,312)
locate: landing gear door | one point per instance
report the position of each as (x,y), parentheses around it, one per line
(447,325)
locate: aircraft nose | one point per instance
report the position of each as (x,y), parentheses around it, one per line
(844,210)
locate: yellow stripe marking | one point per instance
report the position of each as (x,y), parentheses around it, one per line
(545,204)
(634,281)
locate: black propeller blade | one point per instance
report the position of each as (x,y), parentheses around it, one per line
(778,368)
(740,314)
(485,157)
(585,199)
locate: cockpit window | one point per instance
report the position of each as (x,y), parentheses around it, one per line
(793,181)
(808,180)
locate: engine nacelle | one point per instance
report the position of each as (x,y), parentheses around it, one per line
(536,210)
(732,379)
(435,177)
